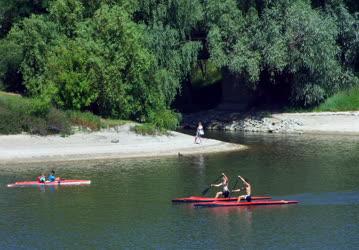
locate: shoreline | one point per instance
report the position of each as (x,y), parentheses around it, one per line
(100,145)
(342,123)
(122,143)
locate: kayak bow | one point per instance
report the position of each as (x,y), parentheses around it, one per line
(47,183)
(192,199)
(244,203)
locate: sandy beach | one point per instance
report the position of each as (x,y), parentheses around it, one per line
(106,144)
(324,122)
(123,143)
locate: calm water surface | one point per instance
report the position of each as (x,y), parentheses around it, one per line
(128,204)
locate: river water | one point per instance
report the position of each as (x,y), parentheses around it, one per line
(128,205)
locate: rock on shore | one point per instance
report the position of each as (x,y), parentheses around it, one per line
(323,122)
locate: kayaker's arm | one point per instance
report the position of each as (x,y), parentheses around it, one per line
(240,177)
(236,190)
(217,185)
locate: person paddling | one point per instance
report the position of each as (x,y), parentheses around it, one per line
(41,178)
(247,188)
(225,189)
(52,176)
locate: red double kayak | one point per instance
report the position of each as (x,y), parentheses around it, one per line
(243,203)
(47,183)
(192,199)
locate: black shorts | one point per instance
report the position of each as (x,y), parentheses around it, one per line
(248,198)
(225,194)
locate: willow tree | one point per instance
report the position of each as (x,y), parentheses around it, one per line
(169,27)
(290,41)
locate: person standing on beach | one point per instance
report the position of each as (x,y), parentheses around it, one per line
(199,133)
(224,183)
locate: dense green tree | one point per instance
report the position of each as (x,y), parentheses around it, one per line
(10,60)
(14,10)
(66,14)
(232,38)
(308,40)
(289,38)
(348,35)
(169,27)
(130,59)
(34,36)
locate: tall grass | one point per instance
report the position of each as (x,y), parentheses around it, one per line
(342,101)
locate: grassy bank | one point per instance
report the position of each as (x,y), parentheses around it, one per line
(19,114)
(343,101)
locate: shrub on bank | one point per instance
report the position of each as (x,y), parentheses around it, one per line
(109,123)
(148,129)
(165,119)
(18,114)
(343,101)
(58,122)
(158,123)
(84,120)
(9,122)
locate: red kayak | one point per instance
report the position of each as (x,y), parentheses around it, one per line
(47,183)
(192,199)
(242,203)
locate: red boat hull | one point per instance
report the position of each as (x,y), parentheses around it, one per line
(243,203)
(192,199)
(47,183)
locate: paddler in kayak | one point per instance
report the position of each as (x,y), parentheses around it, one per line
(52,176)
(247,188)
(224,183)
(41,178)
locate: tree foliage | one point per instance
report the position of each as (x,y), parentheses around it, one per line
(287,38)
(129,59)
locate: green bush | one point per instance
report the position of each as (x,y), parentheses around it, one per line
(57,122)
(85,120)
(19,114)
(25,106)
(9,122)
(35,125)
(36,116)
(37,107)
(165,119)
(342,101)
(148,129)
(109,123)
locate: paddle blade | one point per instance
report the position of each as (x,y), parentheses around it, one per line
(204,192)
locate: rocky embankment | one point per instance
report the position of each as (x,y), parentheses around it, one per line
(250,122)
(326,122)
